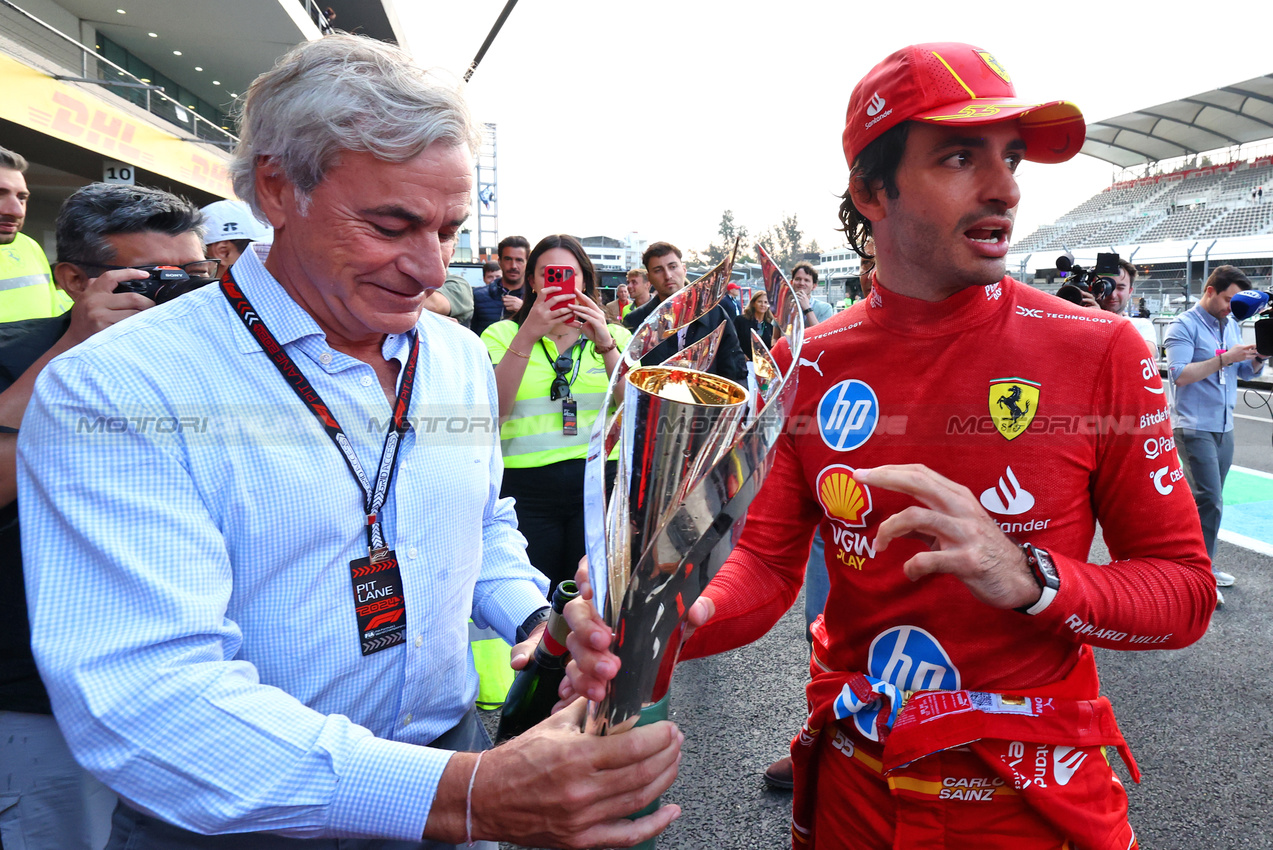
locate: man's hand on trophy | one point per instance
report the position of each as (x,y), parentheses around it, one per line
(965,541)
(592,664)
(554,786)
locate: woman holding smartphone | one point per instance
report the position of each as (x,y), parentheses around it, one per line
(553,361)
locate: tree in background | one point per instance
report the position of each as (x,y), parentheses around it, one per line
(784,242)
(729,231)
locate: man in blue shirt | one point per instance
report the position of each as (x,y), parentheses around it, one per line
(1205,359)
(257,519)
(104,233)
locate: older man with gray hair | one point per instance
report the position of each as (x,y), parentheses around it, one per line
(253,551)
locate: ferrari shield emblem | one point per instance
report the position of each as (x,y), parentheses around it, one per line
(1013,403)
(993,64)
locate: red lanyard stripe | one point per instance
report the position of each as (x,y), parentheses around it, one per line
(373,500)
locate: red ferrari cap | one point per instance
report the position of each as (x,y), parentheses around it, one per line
(951,83)
(733,286)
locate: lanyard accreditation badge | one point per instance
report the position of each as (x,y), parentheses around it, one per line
(379,603)
(561,386)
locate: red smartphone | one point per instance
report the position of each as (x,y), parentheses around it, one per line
(564,277)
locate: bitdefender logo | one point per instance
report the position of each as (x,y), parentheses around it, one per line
(1008,498)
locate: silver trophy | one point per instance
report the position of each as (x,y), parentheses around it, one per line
(692,449)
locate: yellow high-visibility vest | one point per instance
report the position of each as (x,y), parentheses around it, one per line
(26,283)
(491,654)
(532,435)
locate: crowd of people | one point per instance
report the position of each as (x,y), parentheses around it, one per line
(239,615)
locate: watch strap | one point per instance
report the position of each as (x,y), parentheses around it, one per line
(530,623)
(1044,571)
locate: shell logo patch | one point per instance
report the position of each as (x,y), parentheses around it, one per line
(993,64)
(842,498)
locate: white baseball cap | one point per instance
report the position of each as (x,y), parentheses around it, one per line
(233,220)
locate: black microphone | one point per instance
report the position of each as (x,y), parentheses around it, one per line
(1264,337)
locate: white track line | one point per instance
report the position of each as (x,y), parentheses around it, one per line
(1257,472)
(1246,542)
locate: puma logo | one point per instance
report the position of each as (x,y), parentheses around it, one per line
(814,363)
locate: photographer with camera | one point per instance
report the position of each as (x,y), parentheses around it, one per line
(109,238)
(1205,359)
(1118,297)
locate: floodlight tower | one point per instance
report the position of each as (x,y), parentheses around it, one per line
(487,194)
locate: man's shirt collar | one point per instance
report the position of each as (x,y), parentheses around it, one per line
(287,320)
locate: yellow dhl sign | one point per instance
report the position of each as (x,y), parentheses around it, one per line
(38,101)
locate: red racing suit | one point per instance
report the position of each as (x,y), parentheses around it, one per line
(1055,419)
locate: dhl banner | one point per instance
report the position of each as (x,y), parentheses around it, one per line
(42,103)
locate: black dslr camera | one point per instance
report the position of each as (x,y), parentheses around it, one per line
(164,284)
(1097,280)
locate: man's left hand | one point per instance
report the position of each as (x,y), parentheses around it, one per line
(521,654)
(965,541)
(512,303)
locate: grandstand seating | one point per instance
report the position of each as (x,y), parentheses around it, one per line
(1122,232)
(1240,183)
(1180,224)
(1042,238)
(1242,221)
(1211,201)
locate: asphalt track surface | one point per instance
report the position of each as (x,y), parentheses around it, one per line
(1199,720)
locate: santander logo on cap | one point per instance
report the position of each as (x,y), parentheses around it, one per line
(873,108)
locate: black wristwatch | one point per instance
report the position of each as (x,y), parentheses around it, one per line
(528,625)
(1044,571)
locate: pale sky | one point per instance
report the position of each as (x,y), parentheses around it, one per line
(656,115)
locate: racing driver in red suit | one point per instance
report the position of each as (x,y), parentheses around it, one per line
(954,700)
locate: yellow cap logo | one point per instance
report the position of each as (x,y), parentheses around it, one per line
(843,498)
(993,64)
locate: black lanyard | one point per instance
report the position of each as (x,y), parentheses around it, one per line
(373,498)
(576,352)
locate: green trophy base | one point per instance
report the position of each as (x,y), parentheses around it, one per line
(652,713)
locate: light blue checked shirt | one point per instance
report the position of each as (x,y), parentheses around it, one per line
(188,530)
(1205,405)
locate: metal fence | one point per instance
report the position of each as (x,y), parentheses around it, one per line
(55,45)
